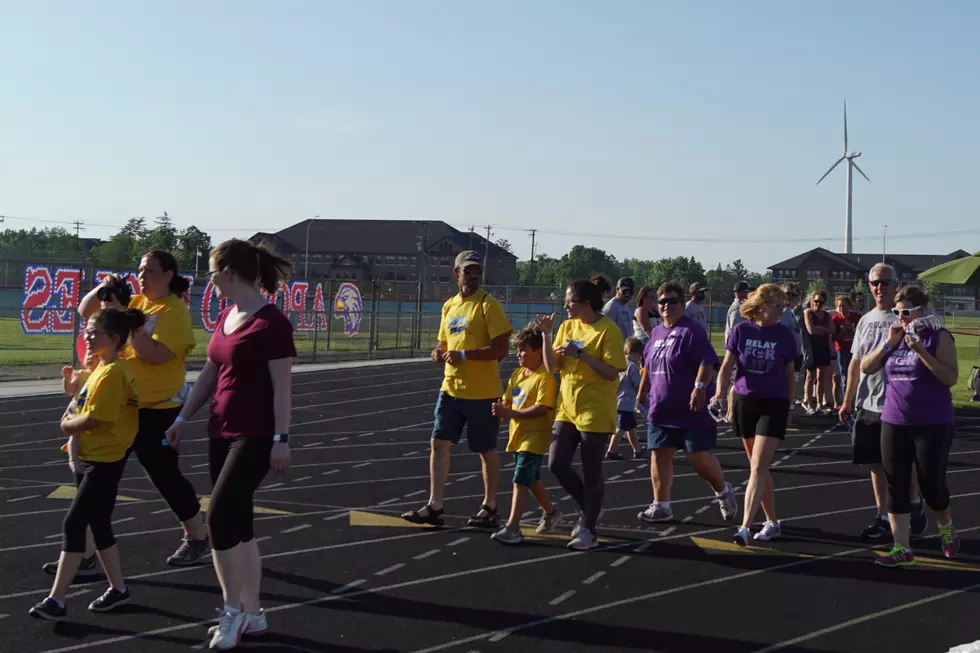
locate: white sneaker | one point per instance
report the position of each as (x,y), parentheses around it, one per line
(548,522)
(584,540)
(727,503)
(228,635)
(770,531)
(255,624)
(657,512)
(741,536)
(580,524)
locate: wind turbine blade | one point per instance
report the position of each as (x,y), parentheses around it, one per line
(845,126)
(831,170)
(859,170)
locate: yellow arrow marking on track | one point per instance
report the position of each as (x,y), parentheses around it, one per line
(361,518)
(258,510)
(718,546)
(69,492)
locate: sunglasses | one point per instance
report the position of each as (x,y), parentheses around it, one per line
(881,282)
(664,301)
(905,312)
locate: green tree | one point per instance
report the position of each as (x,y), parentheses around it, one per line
(582,262)
(681,269)
(719,280)
(815,285)
(503,243)
(121,252)
(190,241)
(163,236)
(737,271)
(135,228)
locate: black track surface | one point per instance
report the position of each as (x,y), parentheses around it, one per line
(361,442)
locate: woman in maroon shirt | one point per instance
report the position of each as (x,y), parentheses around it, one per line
(248,379)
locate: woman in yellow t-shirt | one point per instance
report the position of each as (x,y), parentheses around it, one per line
(104,424)
(156,355)
(588,351)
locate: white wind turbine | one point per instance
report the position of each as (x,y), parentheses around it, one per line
(849,157)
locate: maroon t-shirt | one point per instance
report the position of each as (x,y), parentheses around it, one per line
(242,405)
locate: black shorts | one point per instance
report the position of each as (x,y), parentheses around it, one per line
(866,438)
(766,416)
(798,363)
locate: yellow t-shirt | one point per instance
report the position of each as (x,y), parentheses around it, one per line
(168,322)
(470,323)
(81,377)
(109,396)
(527,389)
(585,399)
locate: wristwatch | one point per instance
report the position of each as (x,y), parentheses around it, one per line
(280,437)
(698,385)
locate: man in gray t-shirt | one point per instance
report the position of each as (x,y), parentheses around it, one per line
(694,308)
(742,290)
(618,310)
(866,393)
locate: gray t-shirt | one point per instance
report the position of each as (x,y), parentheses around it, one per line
(788,320)
(621,314)
(695,311)
(871,332)
(629,384)
(733,318)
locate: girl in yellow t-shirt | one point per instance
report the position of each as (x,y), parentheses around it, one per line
(588,352)
(104,423)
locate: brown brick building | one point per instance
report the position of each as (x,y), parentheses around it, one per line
(388,250)
(842,271)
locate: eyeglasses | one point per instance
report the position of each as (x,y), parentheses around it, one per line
(663,301)
(881,282)
(574,301)
(905,312)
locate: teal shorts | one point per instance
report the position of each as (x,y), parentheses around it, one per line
(527,468)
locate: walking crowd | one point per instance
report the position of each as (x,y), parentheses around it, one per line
(886,373)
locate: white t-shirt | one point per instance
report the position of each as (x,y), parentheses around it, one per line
(695,311)
(621,314)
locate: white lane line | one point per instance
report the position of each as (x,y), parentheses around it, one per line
(564,596)
(124,519)
(51,537)
(668,531)
(687,519)
(458,542)
(410,453)
(619,561)
(702,509)
(263,538)
(349,586)
(160,512)
(312,444)
(387,501)
(4,616)
(527,514)
(427,554)
(332,471)
(273,485)
(33,496)
(496,637)
(302,478)
(77,593)
(346,437)
(361,465)
(301,527)
(629,471)
(200,466)
(466,478)
(416,493)
(364,435)
(643,547)
(593,578)
(337,516)
(388,570)
(615,478)
(641,466)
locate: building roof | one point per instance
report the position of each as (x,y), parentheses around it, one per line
(368,237)
(915,263)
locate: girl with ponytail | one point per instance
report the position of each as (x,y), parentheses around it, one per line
(248,378)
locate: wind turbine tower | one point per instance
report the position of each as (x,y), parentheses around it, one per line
(849,157)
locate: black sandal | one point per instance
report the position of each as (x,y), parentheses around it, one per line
(431,517)
(491,520)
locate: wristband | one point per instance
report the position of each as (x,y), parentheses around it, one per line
(280,437)
(887,348)
(180,420)
(462,354)
(698,385)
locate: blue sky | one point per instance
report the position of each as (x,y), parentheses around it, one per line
(705,121)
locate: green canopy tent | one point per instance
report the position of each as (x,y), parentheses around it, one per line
(962,272)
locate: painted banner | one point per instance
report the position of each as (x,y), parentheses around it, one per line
(52,293)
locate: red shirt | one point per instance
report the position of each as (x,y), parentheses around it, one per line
(242,405)
(845,330)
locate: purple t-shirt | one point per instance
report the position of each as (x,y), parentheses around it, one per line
(671,358)
(762,353)
(913,394)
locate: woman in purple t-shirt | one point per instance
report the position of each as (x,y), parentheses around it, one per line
(761,351)
(916,421)
(680,368)
(248,378)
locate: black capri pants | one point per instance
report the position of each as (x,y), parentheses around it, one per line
(237,466)
(926,447)
(162,462)
(92,507)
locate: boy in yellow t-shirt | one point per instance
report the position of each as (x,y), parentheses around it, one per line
(529,403)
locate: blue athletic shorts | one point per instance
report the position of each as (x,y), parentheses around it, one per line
(703,439)
(527,468)
(625,421)
(452,414)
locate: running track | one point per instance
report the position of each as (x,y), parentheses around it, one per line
(351,582)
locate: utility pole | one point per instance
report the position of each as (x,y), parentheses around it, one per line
(78,227)
(530,271)
(486,256)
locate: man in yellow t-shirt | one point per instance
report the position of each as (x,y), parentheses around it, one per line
(473,338)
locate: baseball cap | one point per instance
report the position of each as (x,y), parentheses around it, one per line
(697,287)
(468,258)
(743,286)
(625,283)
